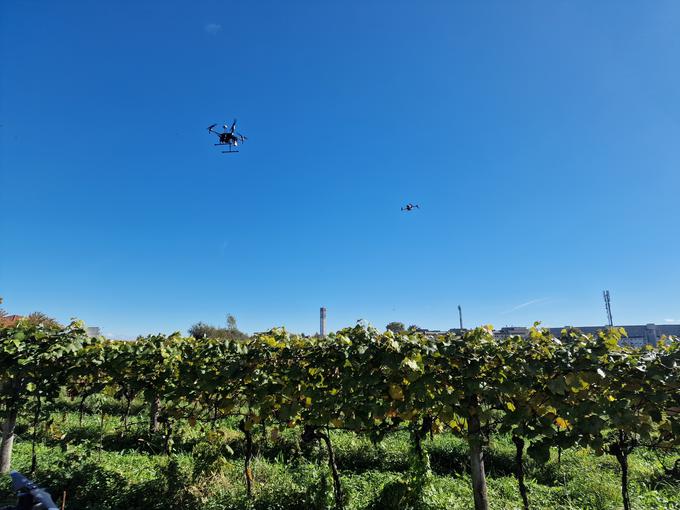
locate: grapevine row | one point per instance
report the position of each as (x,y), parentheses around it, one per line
(544,391)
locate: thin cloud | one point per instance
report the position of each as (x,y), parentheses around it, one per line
(524,305)
(670,320)
(212,28)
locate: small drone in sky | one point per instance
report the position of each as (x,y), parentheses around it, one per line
(229,137)
(410,207)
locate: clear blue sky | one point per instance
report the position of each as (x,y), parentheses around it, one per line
(542,140)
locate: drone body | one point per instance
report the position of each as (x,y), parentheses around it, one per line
(229,137)
(409,207)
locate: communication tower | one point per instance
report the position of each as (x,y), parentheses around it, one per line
(608,307)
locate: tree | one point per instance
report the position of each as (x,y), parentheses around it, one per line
(396,327)
(41,318)
(203,330)
(231,323)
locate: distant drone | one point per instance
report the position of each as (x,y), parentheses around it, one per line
(410,207)
(228,137)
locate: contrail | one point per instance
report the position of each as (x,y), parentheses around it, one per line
(523,305)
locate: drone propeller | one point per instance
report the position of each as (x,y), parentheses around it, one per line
(210,128)
(233,127)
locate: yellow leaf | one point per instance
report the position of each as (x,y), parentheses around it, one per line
(395,391)
(561,423)
(511,407)
(272,342)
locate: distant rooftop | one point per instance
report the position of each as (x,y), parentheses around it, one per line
(10,320)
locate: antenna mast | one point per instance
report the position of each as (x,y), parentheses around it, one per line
(460,316)
(608,307)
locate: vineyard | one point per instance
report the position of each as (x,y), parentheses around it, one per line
(360,419)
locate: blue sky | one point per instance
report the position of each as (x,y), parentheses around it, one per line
(540,138)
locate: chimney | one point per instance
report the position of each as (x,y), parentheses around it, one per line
(322,321)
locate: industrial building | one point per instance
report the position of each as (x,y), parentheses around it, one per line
(638,335)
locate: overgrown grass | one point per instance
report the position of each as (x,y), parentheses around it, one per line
(103,467)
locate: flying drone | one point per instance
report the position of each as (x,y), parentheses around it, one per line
(410,207)
(229,137)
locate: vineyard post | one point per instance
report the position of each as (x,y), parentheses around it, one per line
(101,433)
(8,427)
(81,410)
(168,441)
(154,413)
(126,413)
(36,418)
(213,420)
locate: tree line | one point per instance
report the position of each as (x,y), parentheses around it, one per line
(544,391)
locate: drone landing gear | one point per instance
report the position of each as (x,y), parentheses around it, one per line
(228,152)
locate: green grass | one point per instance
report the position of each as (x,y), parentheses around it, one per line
(109,469)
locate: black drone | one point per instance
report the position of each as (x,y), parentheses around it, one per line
(228,137)
(410,207)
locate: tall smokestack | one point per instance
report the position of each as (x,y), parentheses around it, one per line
(322,321)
